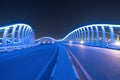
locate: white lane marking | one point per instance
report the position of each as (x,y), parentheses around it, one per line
(84,71)
(77,77)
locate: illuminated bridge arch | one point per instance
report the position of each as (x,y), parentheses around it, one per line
(16,34)
(45,40)
(96,34)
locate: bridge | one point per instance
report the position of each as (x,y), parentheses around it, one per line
(104,35)
(91,52)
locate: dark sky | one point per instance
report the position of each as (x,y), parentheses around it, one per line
(56,18)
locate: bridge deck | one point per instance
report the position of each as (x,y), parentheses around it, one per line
(100,63)
(25,64)
(51,61)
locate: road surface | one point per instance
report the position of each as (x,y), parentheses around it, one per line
(25,64)
(100,63)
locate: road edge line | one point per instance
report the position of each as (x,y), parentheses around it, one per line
(81,67)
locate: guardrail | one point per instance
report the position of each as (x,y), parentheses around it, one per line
(16,34)
(102,35)
(11,48)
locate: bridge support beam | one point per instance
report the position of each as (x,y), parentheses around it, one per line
(97,36)
(19,35)
(111,34)
(4,40)
(13,35)
(103,36)
(84,31)
(78,34)
(81,34)
(88,33)
(92,36)
(23,34)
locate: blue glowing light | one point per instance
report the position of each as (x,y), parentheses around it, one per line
(94,34)
(21,34)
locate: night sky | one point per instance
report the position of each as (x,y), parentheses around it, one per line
(56,18)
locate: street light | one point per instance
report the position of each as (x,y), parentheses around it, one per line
(53,42)
(117,43)
(70,42)
(81,42)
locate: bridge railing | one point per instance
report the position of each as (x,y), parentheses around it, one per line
(106,35)
(16,34)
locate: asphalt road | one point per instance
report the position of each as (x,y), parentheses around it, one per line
(25,64)
(100,63)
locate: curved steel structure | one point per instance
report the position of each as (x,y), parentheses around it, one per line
(16,34)
(45,40)
(95,34)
